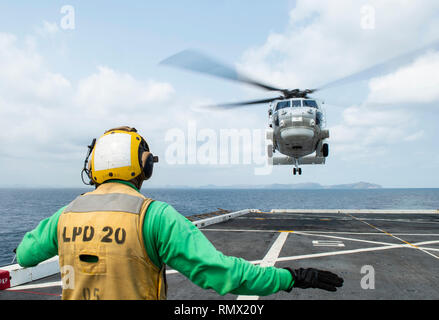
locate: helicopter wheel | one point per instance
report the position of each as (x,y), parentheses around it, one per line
(325,150)
(300,171)
(294,171)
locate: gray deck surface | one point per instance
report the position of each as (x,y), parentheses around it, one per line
(338,242)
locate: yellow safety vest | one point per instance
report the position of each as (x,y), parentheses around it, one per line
(101,249)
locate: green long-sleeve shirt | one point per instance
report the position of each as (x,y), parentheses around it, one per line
(172,239)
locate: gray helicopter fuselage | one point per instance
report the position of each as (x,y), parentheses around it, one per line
(298,126)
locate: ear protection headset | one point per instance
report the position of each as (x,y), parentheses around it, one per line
(147,159)
(124,155)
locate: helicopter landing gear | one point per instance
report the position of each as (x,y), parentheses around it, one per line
(297,170)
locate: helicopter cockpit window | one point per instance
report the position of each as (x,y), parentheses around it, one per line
(282,105)
(297,103)
(310,103)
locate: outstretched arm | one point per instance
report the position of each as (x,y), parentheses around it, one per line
(182,246)
(41,243)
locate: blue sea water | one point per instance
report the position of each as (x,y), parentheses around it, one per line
(22,209)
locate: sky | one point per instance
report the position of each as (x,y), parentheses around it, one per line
(72,70)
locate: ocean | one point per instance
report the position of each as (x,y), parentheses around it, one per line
(22,209)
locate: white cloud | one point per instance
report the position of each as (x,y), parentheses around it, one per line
(44,113)
(366,132)
(324,40)
(111,91)
(47,29)
(416,83)
(24,77)
(415,136)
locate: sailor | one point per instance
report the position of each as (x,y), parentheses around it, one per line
(115,243)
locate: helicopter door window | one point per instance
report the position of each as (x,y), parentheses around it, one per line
(282,105)
(310,103)
(297,103)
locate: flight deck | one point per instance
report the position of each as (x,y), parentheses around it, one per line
(380,254)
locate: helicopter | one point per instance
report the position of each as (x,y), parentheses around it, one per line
(297,121)
(297,130)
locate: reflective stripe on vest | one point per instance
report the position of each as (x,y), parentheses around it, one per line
(106,202)
(101,247)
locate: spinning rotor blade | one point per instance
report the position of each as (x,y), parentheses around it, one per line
(244,103)
(382,68)
(195,61)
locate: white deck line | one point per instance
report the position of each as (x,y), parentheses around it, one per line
(372,211)
(270,259)
(342,252)
(327,243)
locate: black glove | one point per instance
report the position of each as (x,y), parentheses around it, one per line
(313,278)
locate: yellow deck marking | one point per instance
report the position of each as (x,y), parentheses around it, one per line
(391,235)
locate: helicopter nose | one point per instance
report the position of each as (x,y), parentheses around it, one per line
(291,135)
